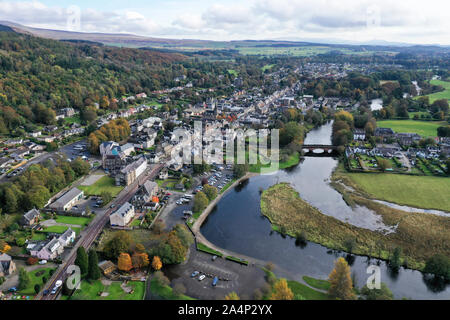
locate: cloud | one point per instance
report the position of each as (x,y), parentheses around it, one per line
(413,21)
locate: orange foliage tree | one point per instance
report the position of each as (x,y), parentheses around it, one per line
(341,282)
(281,291)
(140,260)
(124,262)
(156,263)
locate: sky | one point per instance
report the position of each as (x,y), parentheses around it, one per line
(412,21)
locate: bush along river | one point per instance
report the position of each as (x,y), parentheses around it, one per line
(236,224)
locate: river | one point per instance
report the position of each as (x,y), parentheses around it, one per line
(236,224)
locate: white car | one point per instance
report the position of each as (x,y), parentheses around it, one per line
(201,277)
(43,262)
(58,283)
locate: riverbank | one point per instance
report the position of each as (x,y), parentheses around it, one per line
(416,191)
(418,235)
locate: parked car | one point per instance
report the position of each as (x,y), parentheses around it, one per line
(58,283)
(46,292)
(201,277)
(214,283)
(214,258)
(194,274)
(43,262)
(54,290)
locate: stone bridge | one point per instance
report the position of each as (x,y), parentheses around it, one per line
(319,149)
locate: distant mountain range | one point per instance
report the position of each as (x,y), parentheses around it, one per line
(131,40)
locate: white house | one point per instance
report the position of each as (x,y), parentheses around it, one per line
(122,216)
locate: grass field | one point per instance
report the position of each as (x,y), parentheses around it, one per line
(90,291)
(60,229)
(205,248)
(424,128)
(35,279)
(267,67)
(166,292)
(289,214)
(233,72)
(317,283)
(81,221)
(440,95)
(103,184)
(417,191)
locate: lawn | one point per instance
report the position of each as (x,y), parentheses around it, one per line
(204,248)
(417,191)
(35,279)
(105,183)
(424,128)
(60,229)
(440,95)
(80,221)
(90,291)
(317,283)
(165,292)
(306,292)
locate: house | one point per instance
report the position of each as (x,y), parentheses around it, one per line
(68,200)
(359,134)
(35,133)
(107,267)
(30,218)
(164,174)
(50,251)
(122,216)
(67,237)
(383,132)
(7,265)
(131,172)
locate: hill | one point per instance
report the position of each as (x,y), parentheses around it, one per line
(39,76)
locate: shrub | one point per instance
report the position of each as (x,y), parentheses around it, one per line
(32,261)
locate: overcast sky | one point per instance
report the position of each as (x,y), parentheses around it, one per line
(412,21)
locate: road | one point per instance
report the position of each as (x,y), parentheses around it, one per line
(95,228)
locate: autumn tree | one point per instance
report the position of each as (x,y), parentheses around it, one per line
(232,296)
(341,285)
(140,260)
(124,262)
(156,263)
(281,291)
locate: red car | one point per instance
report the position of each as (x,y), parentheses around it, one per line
(168,194)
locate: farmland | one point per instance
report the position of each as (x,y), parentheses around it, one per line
(424,128)
(440,95)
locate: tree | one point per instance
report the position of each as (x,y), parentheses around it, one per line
(383,164)
(281,291)
(156,263)
(93,271)
(200,202)
(341,285)
(240,170)
(106,197)
(161,279)
(232,296)
(82,260)
(119,243)
(140,260)
(210,191)
(377,294)
(179,289)
(124,262)
(37,288)
(394,262)
(443,131)
(438,265)
(24,279)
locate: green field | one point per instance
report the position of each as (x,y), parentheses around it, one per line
(60,229)
(205,248)
(233,72)
(103,184)
(165,292)
(424,128)
(35,279)
(317,283)
(267,67)
(417,191)
(90,291)
(80,221)
(440,95)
